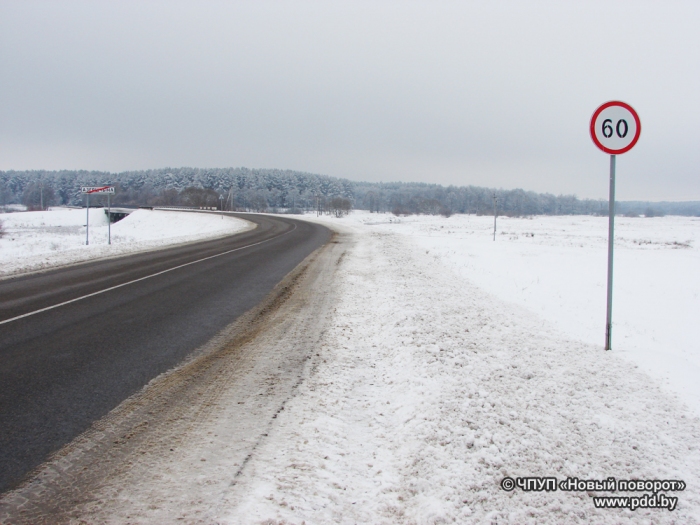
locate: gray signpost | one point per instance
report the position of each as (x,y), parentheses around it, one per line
(615,129)
(88,190)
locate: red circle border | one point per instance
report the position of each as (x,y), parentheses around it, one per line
(636,135)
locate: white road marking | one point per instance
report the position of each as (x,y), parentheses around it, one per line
(141,279)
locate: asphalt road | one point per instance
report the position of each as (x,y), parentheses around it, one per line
(63,368)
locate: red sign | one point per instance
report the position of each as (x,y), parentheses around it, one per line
(615,127)
(97,189)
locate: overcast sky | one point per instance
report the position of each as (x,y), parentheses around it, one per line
(496,94)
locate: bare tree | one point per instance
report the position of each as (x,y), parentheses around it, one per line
(168,197)
(340,206)
(199,197)
(37,197)
(5,195)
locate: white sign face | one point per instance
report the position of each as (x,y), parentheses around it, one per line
(615,127)
(97,189)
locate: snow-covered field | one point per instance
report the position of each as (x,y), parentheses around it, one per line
(455,361)
(44,239)
(556,267)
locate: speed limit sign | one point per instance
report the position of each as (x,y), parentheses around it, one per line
(615,127)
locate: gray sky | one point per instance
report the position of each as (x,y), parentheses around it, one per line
(490,93)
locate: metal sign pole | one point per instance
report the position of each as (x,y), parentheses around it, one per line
(611,237)
(615,129)
(109,220)
(87,221)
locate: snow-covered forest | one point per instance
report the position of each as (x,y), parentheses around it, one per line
(280,190)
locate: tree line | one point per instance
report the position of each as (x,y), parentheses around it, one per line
(265,190)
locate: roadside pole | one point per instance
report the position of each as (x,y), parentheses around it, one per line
(611,237)
(87,221)
(615,128)
(495,203)
(87,190)
(109,220)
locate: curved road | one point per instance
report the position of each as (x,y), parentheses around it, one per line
(65,367)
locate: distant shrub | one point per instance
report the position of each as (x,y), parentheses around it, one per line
(651,212)
(2,230)
(340,206)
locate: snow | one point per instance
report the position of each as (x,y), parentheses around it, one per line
(46,239)
(451,361)
(556,267)
(14,207)
(432,388)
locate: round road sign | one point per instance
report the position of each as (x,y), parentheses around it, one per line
(615,127)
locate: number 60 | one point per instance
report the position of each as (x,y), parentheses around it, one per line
(608,130)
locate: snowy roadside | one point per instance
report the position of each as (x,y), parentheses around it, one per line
(555,267)
(430,391)
(42,240)
(422,392)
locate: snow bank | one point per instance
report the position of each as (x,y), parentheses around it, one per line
(45,239)
(428,391)
(556,267)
